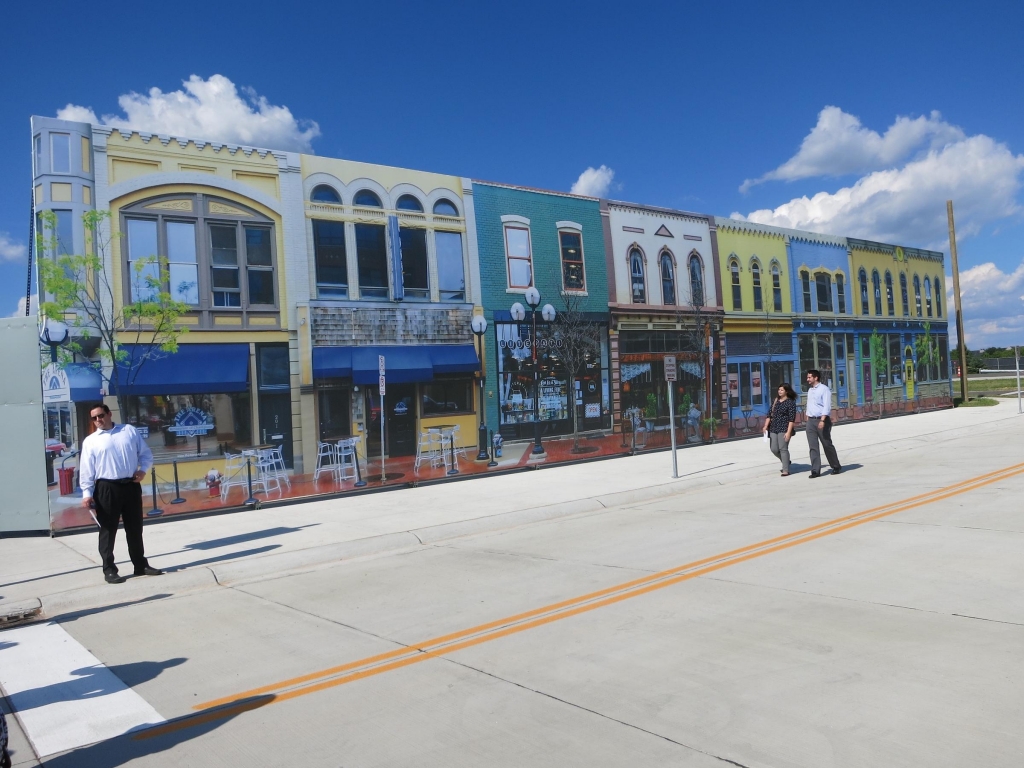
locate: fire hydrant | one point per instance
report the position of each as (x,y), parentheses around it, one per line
(213,478)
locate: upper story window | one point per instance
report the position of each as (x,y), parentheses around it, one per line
(928,295)
(519,257)
(805,285)
(876,287)
(636,276)
(755,274)
(322,193)
(372,260)
(37,152)
(330,257)
(570,244)
(890,300)
(367,199)
(668,279)
(776,288)
(823,283)
(737,290)
(903,294)
(451,274)
(862,276)
(60,153)
(409,203)
(917,295)
(696,281)
(841,292)
(445,208)
(938,297)
(415,281)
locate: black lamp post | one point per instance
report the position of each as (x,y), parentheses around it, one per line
(518,312)
(479,327)
(53,334)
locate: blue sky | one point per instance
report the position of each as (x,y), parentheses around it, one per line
(683,102)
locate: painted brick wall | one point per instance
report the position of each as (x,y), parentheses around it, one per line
(347,326)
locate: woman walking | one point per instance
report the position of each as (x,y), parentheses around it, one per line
(779,424)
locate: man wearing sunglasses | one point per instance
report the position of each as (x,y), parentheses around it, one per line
(112,465)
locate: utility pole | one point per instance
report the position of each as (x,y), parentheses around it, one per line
(956,299)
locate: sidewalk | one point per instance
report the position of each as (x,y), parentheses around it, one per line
(52,577)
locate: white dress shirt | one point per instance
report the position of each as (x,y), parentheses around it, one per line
(112,454)
(819,401)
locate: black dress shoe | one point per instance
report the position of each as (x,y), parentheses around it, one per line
(814,475)
(836,470)
(149,571)
(113,578)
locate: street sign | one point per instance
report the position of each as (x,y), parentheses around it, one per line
(380,364)
(380,386)
(670,368)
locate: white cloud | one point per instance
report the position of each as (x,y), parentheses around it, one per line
(839,145)
(20,311)
(11,250)
(993,306)
(207,109)
(908,204)
(594,182)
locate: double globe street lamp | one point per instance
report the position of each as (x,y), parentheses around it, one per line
(518,312)
(479,327)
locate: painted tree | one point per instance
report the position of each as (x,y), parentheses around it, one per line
(578,342)
(126,331)
(880,361)
(926,350)
(699,326)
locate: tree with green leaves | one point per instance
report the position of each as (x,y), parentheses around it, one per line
(880,362)
(926,350)
(78,290)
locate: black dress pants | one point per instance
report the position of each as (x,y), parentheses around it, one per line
(117,501)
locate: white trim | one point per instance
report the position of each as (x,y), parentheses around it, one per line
(150,180)
(510,218)
(569,225)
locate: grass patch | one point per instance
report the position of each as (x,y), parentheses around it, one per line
(977,385)
(975,402)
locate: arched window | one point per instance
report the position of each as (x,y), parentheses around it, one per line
(862,276)
(367,199)
(890,300)
(409,203)
(776,288)
(805,285)
(324,194)
(696,282)
(876,286)
(903,294)
(841,292)
(917,295)
(636,276)
(928,295)
(938,297)
(445,208)
(755,276)
(668,279)
(737,292)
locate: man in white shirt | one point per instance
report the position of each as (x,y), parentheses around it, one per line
(111,467)
(819,424)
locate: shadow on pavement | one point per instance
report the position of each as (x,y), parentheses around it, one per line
(63,618)
(242,538)
(222,558)
(4,645)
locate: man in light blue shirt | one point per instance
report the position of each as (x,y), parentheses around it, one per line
(111,467)
(819,424)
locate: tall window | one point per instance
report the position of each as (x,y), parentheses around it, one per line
(938,297)
(331,260)
(737,292)
(805,285)
(890,300)
(841,292)
(696,282)
(917,295)
(182,262)
(414,263)
(823,283)
(37,145)
(259,265)
(372,260)
(517,250)
(227,288)
(324,194)
(636,276)
(60,153)
(141,240)
(776,287)
(928,295)
(876,287)
(668,279)
(571,245)
(451,275)
(755,274)
(862,277)
(903,294)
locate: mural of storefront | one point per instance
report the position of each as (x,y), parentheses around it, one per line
(69,390)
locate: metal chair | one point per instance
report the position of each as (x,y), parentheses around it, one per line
(460,450)
(428,449)
(326,459)
(346,466)
(276,466)
(234,474)
(266,472)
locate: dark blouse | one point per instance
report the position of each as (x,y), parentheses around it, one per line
(782,412)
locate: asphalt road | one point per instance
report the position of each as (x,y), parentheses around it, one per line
(873,618)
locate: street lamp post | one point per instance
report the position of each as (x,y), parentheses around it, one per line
(479,327)
(518,312)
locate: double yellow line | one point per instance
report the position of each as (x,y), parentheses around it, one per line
(303,685)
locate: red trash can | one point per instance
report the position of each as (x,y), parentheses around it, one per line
(66,478)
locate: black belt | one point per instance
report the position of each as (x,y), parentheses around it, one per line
(119,481)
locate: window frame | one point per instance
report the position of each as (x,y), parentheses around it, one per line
(509,257)
(904,294)
(862,279)
(777,287)
(805,290)
(890,299)
(562,261)
(53,170)
(456,296)
(876,291)
(695,259)
(937,287)
(927,290)
(417,294)
(822,278)
(755,280)
(322,286)
(641,259)
(735,285)
(841,292)
(917,295)
(336,195)
(668,259)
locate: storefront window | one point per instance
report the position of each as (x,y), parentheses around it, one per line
(333,412)
(895,360)
(446,396)
(181,427)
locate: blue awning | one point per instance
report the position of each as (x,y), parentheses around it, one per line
(404,365)
(454,358)
(85,382)
(332,362)
(193,369)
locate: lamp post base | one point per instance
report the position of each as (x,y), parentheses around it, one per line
(482,455)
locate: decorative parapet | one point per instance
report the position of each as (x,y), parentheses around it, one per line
(347,326)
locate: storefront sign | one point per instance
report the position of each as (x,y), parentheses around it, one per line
(593,411)
(56,388)
(192,422)
(380,369)
(755,382)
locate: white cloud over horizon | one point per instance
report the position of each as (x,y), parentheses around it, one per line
(993,306)
(594,182)
(11,250)
(211,109)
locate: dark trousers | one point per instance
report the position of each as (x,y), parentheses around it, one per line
(119,501)
(815,434)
